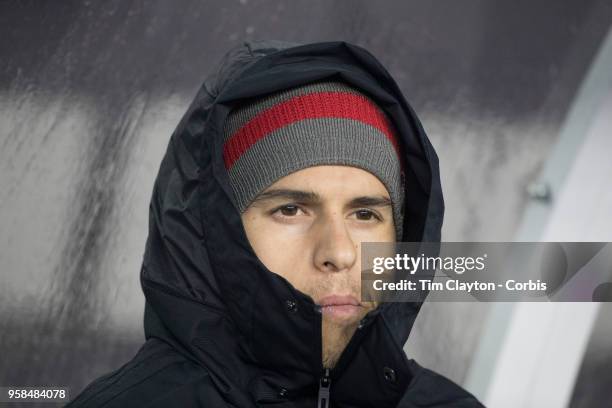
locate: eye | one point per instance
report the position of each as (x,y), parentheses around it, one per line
(366,215)
(288,210)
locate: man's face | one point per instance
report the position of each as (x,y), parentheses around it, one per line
(308,228)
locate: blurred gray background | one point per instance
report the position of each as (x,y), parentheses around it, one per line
(91,91)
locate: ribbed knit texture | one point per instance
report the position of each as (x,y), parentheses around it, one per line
(322,123)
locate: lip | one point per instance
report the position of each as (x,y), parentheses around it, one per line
(336,300)
(340,307)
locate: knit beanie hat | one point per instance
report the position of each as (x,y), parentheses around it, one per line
(321,123)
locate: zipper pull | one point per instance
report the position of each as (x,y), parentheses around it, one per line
(324,390)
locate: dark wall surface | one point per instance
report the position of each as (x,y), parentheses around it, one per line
(90,92)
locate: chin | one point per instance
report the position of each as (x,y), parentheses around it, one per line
(342,321)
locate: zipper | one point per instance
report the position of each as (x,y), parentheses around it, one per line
(324,386)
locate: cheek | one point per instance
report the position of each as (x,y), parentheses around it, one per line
(383,233)
(278,249)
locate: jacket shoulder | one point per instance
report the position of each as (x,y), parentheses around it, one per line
(430,389)
(156,376)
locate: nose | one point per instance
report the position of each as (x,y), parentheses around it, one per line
(335,250)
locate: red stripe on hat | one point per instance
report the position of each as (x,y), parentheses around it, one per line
(314,105)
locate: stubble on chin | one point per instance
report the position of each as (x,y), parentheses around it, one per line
(336,336)
(335,339)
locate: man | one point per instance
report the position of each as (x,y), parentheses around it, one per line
(288,159)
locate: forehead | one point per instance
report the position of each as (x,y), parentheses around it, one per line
(333,181)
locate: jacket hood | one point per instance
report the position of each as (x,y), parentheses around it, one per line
(207,293)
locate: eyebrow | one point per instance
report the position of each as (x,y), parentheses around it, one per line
(312,198)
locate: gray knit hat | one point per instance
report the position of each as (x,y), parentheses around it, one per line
(321,123)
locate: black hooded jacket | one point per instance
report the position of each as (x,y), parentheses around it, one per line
(224,331)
